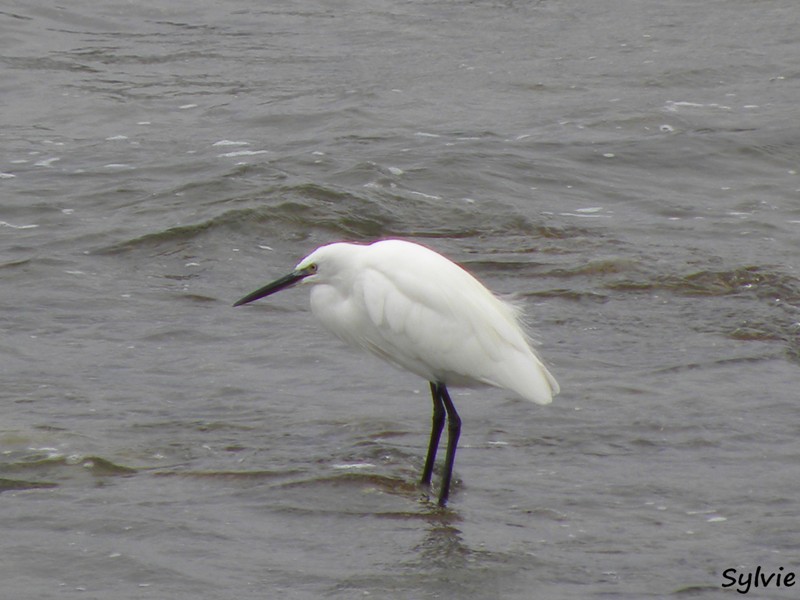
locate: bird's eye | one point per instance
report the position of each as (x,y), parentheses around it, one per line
(312,268)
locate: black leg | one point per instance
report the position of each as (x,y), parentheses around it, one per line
(436,432)
(453,432)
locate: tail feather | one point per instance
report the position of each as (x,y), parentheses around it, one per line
(530,379)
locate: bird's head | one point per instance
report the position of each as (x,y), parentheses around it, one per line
(318,267)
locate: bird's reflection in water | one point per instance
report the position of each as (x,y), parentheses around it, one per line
(443,547)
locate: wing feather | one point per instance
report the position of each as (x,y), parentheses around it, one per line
(433,318)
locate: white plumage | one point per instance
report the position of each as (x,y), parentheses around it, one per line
(423,313)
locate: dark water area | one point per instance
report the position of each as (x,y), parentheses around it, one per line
(627,172)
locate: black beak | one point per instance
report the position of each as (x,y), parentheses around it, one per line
(276,286)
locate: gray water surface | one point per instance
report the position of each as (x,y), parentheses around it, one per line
(627,171)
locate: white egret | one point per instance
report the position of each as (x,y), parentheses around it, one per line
(423,313)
